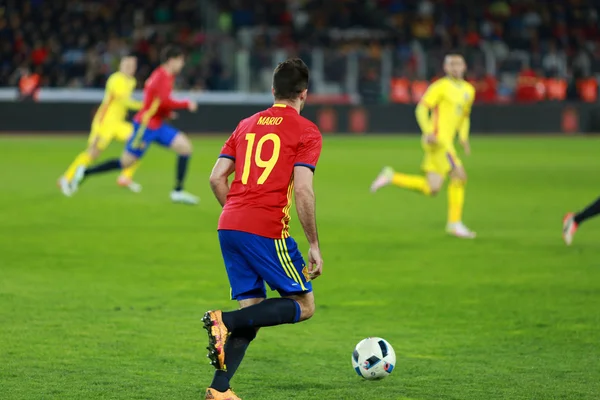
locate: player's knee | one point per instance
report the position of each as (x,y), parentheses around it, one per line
(127,160)
(188,148)
(434,188)
(183,145)
(307,309)
(460,175)
(94,152)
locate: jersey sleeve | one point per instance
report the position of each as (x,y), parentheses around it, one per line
(228,149)
(162,90)
(430,100)
(309,151)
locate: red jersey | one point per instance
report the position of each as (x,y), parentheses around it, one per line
(158,103)
(266,147)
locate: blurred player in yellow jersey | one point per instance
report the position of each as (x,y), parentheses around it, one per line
(443,112)
(110,123)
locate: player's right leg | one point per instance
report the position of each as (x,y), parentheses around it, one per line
(428,185)
(388,176)
(572,221)
(180,144)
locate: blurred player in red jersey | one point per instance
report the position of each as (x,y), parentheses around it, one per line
(273,155)
(148,126)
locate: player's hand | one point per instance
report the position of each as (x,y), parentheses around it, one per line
(173,115)
(430,139)
(315,262)
(466,147)
(192,106)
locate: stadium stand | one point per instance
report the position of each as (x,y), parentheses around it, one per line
(381,49)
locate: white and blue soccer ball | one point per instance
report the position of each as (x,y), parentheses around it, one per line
(373,358)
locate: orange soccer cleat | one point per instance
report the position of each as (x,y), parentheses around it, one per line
(217,337)
(569,228)
(212,394)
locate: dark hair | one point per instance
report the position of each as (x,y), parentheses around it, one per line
(170,52)
(290,79)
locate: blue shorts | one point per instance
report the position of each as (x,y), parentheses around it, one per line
(141,138)
(251,260)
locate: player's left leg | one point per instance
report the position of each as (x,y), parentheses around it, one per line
(97,143)
(180,144)
(572,221)
(456,198)
(280,264)
(134,150)
(235,350)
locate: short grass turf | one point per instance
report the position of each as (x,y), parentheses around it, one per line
(101,294)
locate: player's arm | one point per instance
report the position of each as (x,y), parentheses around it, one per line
(163,94)
(133,104)
(465,126)
(304,167)
(121,92)
(424,112)
(224,167)
(219,178)
(305,203)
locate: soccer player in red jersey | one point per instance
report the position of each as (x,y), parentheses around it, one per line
(273,155)
(149,126)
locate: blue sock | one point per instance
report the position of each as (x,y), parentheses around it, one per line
(182,164)
(235,349)
(589,212)
(106,166)
(270,312)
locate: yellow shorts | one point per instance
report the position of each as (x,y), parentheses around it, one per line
(440,159)
(103,134)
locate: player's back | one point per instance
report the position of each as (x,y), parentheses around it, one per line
(266,147)
(158,85)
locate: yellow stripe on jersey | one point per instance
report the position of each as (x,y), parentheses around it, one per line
(282,259)
(286,210)
(297,277)
(139,134)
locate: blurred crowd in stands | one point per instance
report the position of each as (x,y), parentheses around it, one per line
(380,49)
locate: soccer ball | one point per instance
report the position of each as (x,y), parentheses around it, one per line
(373,358)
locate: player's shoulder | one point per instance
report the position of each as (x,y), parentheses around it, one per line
(113,78)
(438,84)
(470,87)
(305,125)
(156,75)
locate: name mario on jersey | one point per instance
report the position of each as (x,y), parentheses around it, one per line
(269,121)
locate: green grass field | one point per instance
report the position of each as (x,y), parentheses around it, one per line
(101,294)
